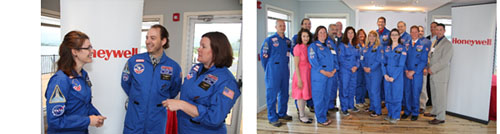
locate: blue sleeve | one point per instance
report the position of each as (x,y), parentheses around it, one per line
(358,55)
(93,110)
(312,55)
(384,61)
(423,59)
(378,59)
(126,78)
(265,50)
(294,43)
(336,60)
(56,116)
(220,105)
(176,83)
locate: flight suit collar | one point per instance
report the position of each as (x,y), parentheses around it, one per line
(277,35)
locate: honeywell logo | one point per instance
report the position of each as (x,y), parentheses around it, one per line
(106,54)
(486,42)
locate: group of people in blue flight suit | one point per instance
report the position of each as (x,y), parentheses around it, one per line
(389,65)
(151,81)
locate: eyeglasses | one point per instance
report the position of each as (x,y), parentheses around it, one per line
(86,48)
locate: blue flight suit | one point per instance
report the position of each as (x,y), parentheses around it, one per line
(213,92)
(372,58)
(416,61)
(394,64)
(360,82)
(147,86)
(348,58)
(69,103)
(322,56)
(274,55)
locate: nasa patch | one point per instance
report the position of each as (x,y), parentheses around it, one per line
(311,53)
(125,77)
(58,110)
(138,68)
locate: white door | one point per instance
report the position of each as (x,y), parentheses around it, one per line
(230,25)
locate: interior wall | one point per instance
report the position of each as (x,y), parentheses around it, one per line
(167,8)
(291,5)
(325,7)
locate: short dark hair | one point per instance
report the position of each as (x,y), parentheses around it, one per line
(434,23)
(390,39)
(72,40)
(345,39)
(299,36)
(441,25)
(163,34)
(302,22)
(317,31)
(222,52)
(416,27)
(381,17)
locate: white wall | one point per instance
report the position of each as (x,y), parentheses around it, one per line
(368,19)
(167,8)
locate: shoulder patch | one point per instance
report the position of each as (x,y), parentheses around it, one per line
(57,96)
(138,68)
(228,93)
(139,60)
(311,53)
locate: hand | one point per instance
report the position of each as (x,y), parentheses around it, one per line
(333,72)
(353,69)
(327,74)
(425,72)
(386,77)
(429,71)
(367,69)
(173,104)
(410,74)
(391,79)
(299,84)
(96,121)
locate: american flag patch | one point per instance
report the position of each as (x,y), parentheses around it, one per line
(139,60)
(228,93)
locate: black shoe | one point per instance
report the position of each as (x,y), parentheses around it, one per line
(414,118)
(308,121)
(335,109)
(435,122)
(286,117)
(404,116)
(355,110)
(345,113)
(276,124)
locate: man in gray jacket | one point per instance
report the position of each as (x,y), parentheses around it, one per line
(439,70)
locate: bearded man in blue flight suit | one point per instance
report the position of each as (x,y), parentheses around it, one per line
(274,55)
(148,79)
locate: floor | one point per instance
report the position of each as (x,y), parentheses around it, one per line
(361,122)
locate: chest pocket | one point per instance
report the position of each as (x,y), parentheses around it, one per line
(199,95)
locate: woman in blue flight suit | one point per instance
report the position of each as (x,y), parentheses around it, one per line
(209,90)
(393,68)
(360,78)
(323,59)
(371,64)
(349,63)
(69,97)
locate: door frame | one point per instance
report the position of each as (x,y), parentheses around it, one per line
(186,57)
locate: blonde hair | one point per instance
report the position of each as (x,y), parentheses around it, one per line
(377,40)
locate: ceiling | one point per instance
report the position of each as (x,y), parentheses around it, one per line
(407,5)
